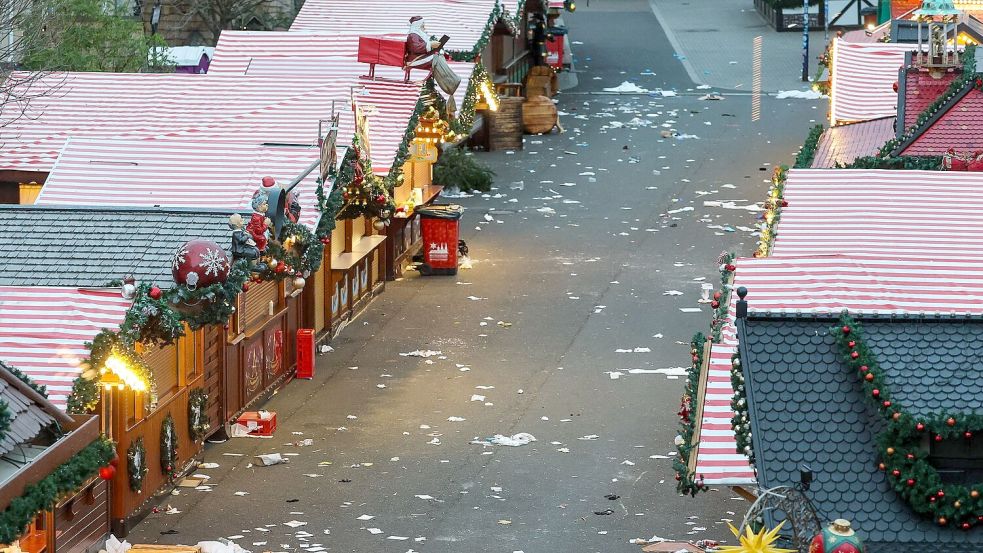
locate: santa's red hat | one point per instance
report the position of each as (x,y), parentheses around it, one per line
(269,182)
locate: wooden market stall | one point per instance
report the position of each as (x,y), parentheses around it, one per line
(40,440)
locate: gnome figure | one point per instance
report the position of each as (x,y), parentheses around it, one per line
(243,245)
(420,46)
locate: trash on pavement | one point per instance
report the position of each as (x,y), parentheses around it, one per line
(515,440)
(270,459)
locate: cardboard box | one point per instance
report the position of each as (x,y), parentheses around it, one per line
(260,423)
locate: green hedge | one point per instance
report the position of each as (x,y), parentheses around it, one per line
(803,160)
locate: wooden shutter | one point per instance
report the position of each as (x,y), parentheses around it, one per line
(257,305)
(163,363)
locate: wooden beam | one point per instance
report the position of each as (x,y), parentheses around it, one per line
(697,404)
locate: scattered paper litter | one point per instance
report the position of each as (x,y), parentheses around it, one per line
(476,397)
(589,437)
(295,524)
(799,95)
(456,419)
(670,371)
(680,210)
(634,350)
(515,440)
(374,531)
(365,517)
(690,309)
(627,88)
(421,353)
(424,497)
(672,293)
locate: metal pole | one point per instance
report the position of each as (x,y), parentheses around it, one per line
(805,41)
(825,23)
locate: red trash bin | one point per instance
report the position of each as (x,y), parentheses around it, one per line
(440,226)
(554,47)
(305,353)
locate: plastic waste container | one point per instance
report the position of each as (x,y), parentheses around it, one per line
(440,226)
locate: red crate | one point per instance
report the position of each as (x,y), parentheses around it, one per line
(256,425)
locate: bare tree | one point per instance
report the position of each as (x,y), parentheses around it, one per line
(219,15)
(19,29)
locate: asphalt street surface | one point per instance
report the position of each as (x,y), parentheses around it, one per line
(589,229)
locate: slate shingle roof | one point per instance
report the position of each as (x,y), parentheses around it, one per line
(805,408)
(88,247)
(28,418)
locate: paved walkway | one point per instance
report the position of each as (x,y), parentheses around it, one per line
(714,40)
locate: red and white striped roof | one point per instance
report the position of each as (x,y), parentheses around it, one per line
(464,21)
(176,174)
(863,80)
(868,241)
(219,109)
(43,331)
(912,215)
(312,55)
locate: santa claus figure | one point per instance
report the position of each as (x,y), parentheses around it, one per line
(420,46)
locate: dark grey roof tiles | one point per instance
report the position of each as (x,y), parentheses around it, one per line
(807,408)
(92,246)
(27,420)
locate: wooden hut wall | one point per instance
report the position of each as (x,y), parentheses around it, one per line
(81,522)
(132,418)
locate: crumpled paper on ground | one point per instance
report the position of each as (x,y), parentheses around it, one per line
(515,440)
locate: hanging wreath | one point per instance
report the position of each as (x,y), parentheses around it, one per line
(168,448)
(198,413)
(136,464)
(903,456)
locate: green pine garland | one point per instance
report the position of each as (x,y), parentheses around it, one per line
(168,448)
(773,212)
(150,321)
(903,458)
(721,299)
(470,55)
(24,378)
(85,388)
(741,421)
(930,163)
(803,160)
(686,482)
(136,464)
(66,479)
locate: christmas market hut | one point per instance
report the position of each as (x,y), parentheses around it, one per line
(54,494)
(121,312)
(910,245)
(408,175)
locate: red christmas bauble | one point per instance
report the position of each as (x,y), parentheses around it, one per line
(380,199)
(931,499)
(895,473)
(114,462)
(863,368)
(881,467)
(716,295)
(968,435)
(875,392)
(784,203)
(846,329)
(940,493)
(715,304)
(200,263)
(730,267)
(919,427)
(951,421)
(895,86)
(886,404)
(911,482)
(869,377)
(938,437)
(154,292)
(107,472)
(854,355)
(245,286)
(910,456)
(966,526)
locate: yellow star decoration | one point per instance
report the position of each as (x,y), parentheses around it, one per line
(760,542)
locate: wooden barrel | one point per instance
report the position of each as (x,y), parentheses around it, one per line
(505,125)
(538,115)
